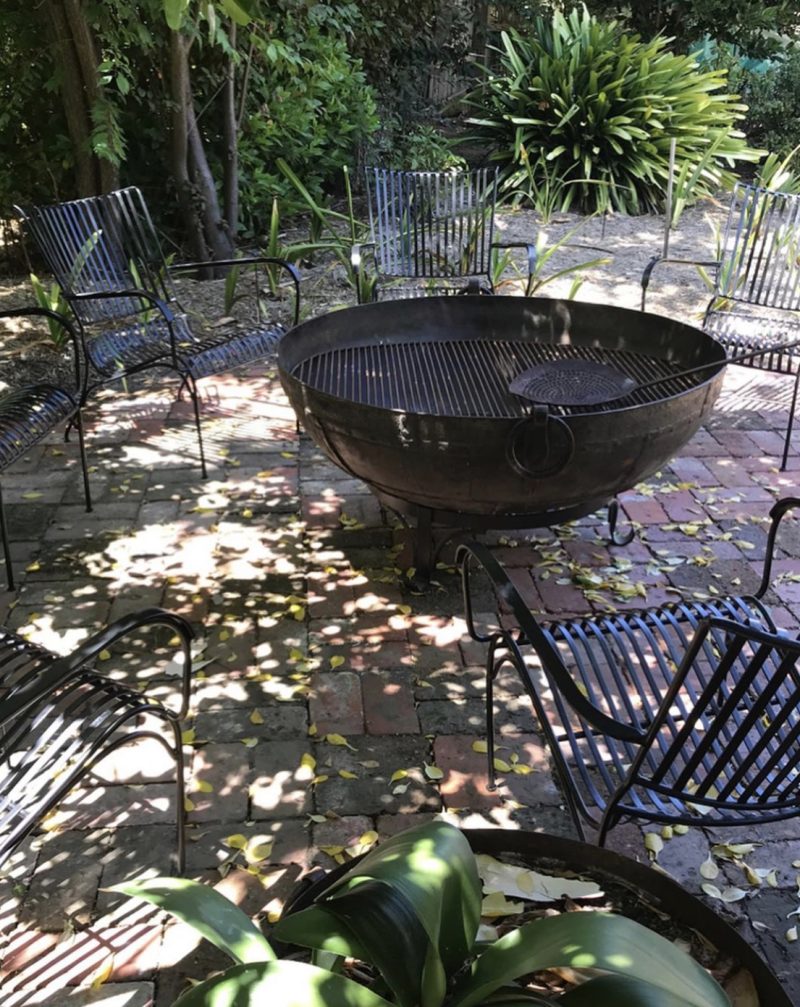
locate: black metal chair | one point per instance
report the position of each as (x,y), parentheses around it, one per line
(106,257)
(434,230)
(756,285)
(30,413)
(686,713)
(59,718)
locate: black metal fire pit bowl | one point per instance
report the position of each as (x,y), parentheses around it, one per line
(498,412)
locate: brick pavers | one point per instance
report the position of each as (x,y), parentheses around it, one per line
(328,701)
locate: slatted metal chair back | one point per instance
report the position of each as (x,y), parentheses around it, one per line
(102,244)
(760,261)
(726,740)
(432,224)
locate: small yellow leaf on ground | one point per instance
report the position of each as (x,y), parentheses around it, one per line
(203,787)
(312,730)
(347,775)
(256,718)
(433,772)
(31,495)
(104,655)
(680,830)
(337,661)
(188,804)
(319,779)
(332,851)
(369,838)
(791,934)
(521,769)
(653,843)
(187,737)
(480,746)
(496,904)
(247,512)
(103,973)
(308,761)
(501,766)
(404,609)
(709,868)
(259,848)
(249,742)
(286,454)
(236,842)
(398,774)
(338,739)
(667,832)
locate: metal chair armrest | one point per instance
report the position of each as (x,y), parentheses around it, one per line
(64,668)
(75,336)
(531,632)
(530,250)
(249,260)
(777,513)
(659,259)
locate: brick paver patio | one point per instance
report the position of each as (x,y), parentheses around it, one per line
(308,635)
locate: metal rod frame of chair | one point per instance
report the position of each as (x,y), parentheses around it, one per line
(106,257)
(28,414)
(687,713)
(429,225)
(59,718)
(756,289)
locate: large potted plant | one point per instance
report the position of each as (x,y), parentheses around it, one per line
(408,912)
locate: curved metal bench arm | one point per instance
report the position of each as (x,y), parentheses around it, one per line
(60,718)
(63,668)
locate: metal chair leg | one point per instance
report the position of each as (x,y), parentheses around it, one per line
(180,799)
(84,467)
(6,547)
(192,386)
(791,422)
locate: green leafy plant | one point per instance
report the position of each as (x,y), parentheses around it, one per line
(600,107)
(52,299)
(409,912)
(336,232)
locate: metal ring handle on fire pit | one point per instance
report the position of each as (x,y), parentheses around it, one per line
(552,441)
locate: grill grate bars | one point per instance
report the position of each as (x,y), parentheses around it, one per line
(470,378)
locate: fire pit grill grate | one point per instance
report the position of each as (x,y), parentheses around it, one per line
(471,378)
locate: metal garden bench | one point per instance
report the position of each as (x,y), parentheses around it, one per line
(688,713)
(434,230)
(59,718)
(756,285)
(30,413)
(106,257)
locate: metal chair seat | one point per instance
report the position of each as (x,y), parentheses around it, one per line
(744,332)
(59,718)
(674,713)
(147,344)
(29,414)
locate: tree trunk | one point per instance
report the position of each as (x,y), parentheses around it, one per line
(74,98)
(179,146)
(85,55)
(230,126)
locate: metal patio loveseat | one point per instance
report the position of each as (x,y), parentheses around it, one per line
(753,309)
(106,257)
(686,713)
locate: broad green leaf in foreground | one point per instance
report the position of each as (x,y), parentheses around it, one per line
(620,991)
(210,913)
(280,984)
(591,940)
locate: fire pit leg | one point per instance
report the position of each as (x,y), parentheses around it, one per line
(613,517)
(423,549)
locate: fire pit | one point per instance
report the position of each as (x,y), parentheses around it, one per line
(491,412)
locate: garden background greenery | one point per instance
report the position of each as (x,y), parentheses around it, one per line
(196,100)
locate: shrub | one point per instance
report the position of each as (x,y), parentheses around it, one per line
(314,108)
(583,103)
(773,100)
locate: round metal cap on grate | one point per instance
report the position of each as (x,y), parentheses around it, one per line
(571,383)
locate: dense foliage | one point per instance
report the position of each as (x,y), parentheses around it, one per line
(582,112)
